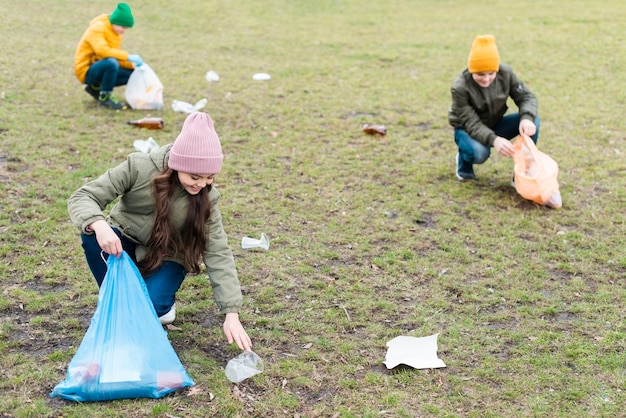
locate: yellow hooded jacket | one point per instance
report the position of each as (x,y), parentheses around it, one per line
(99,42)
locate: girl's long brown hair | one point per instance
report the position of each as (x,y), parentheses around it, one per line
(166,240)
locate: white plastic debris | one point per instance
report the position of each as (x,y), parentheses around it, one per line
(178,106)
(212,76)
(261,77)
(146,146)
(264,242)
(245,365)
(419,353)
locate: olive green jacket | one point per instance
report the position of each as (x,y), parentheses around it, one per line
(130,183)
(477,110)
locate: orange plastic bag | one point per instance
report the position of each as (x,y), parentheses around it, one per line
(536,174)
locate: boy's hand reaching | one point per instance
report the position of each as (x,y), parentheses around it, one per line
(527,127)
(135,59)
(503,146)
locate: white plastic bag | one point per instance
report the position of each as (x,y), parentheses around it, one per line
(144,90)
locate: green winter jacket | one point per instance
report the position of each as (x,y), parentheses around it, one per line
(133,215)
(477,110)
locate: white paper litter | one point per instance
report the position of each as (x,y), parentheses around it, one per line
(261,76)
(145,145)
(419,353)
(178,106)
(212,76)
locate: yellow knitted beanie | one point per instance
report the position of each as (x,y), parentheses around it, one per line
(483,57)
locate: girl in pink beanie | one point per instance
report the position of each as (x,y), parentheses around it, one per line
(167,219)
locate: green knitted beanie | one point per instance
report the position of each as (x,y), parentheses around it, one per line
(122,16)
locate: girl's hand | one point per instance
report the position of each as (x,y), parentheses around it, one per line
(107,239)
(234,331)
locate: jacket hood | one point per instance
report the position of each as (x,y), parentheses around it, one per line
(160,156)
(102,19)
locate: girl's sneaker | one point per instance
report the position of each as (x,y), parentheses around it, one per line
(169,317)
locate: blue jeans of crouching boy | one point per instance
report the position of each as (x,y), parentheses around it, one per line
(473,152)
(108,74)
(162,284)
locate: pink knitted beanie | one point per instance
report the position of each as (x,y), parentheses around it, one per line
(197,150)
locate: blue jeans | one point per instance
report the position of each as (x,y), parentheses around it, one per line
(108,74)
(162,284)
(473,152)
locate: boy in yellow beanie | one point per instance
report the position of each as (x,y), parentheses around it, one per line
(479,96)
(99,62)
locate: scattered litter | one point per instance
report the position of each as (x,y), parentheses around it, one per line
(212,76)
(345,311)
(146,146)
(375,129)
(144,90)
(148,123)
(245,365)
(419,353)
(261,76)
(264,242)
(178,106)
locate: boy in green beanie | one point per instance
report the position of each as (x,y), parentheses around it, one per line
(99,62)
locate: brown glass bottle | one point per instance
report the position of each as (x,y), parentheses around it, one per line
(149,123)
(375,129)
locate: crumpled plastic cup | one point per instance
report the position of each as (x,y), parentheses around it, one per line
(178,106)
(264,242)
(245,365)
(261,76)
(145,145)
(212,76)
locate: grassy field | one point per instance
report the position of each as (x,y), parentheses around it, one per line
(371,237)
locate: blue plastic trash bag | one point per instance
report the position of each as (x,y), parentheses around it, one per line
(125,352)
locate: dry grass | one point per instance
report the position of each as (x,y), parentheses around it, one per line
(371,237)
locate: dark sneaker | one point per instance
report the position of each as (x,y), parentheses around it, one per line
(108,100)
(464,171)
(92,92)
